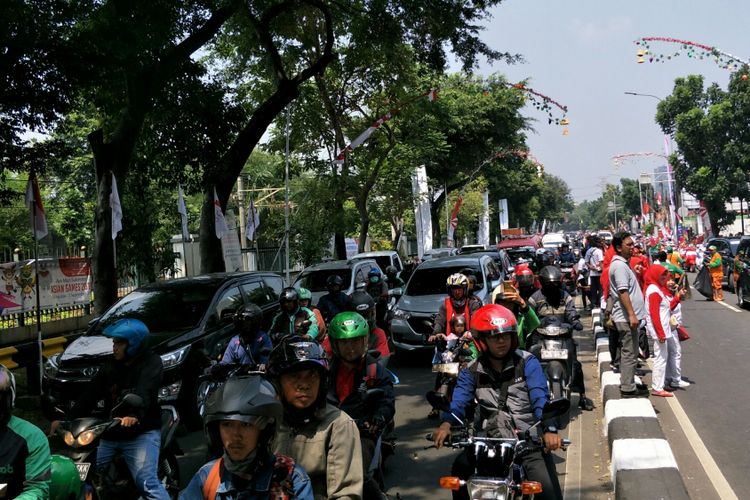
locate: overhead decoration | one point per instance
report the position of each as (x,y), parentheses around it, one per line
(618,160)
(695,50)
(537,99)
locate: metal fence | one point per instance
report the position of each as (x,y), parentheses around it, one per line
(26,318)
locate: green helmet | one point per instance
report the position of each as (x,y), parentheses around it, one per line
(304,294)
(65,483)
(348,325)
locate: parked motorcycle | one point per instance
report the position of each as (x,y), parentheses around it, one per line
(78,440)
(552,344)
(498,470)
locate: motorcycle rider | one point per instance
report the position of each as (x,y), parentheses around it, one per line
(25,458)
(362,304)
(490,380)
(283,323)
(240,423)
(525,281)
(566,257)
(378,290)
(392,279)
(335,301)
(133,369)
(552,300)
(320,437)
(305,300)
(251,345)
(353,373)
(458,301)
(525,315)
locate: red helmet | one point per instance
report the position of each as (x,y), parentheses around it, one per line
(524,277)
(490,320)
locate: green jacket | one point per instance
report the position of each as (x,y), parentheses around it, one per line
(26,463)
(527,323)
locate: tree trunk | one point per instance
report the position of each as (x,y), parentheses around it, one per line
(212,258)
(103,265)
(398,229)
(435,214)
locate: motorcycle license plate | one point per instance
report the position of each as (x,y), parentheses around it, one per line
(554,354)
(450,368)
(83,470)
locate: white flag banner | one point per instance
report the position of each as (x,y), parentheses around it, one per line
(502,212)
(114,203)
(483,234)
(34,202)
(220,223)
(253,221)
(422,215)
(182,210)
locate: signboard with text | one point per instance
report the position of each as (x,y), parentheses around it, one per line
(62,282)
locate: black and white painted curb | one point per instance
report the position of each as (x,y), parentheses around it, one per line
(642,465)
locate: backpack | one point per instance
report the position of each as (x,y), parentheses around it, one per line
(281,481)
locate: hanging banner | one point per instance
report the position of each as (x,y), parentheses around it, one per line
(483,234)
(502,212)
(454,221)
(62,282)
(705,220)
(230,245)
(422,216)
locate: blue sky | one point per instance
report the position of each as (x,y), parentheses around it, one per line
(581,53)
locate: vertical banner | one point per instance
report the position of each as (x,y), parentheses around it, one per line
(230,245)
(454,221)
(422,215)
(483,236)
(502,213)
(705,220)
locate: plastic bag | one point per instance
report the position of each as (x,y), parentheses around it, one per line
(702,283)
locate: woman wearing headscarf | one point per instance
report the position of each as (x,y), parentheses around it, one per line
(660,303)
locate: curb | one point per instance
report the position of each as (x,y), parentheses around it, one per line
(642,462)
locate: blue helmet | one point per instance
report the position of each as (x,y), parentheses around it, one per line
(374,275)
(132,330)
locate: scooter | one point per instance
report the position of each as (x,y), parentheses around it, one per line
(498,461)
(569,278)
(78,440)
(553,346)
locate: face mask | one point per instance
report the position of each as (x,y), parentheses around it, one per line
(244,466)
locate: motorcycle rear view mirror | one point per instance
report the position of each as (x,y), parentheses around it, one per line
(556,408)
(374,394)
(133,400)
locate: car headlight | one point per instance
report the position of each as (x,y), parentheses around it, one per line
(400,314)
(51,367)
(174,358)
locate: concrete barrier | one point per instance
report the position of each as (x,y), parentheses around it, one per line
(642,462)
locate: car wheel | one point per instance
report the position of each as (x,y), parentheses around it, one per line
(741,302)
(730,281)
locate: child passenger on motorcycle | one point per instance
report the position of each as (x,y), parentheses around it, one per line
(502,369)
(240,424)
(458,332)
(353,374)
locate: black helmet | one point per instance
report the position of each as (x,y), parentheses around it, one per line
(550,275)
(289,294)
(334,280)
(295,354)
(250,399)
(362,303)
(7,394)
(248,318)
(391,270)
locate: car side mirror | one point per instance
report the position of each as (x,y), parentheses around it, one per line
(396,292)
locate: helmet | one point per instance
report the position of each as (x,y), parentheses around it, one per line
(391,270)
(7,394)
(289,294)
(363,303)
(490,320)
(133,330)
(457,280)
(304,294)
(374,275)
(250,399)
(348,325)
(65,482)
(334,280)
(295,354)
(248,317)
(549,275)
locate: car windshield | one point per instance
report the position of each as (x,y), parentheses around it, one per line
(432,281)
(315,281)
(163,309)
(520,253)
(734,244)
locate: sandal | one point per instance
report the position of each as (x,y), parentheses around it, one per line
(434,414)
(586,404)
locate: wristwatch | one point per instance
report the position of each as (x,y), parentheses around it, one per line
(551,429)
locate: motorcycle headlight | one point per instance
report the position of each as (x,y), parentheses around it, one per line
(400,314)
(87,437)
(487,488)
(174,358)
(69,439)
(51,367)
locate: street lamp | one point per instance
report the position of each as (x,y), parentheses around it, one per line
(645,95)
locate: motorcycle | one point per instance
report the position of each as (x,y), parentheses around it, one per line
(498,470)
(78,440)
(553,346)
(451,356)
(569,278)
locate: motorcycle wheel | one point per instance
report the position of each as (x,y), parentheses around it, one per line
(169,474)
(558,391)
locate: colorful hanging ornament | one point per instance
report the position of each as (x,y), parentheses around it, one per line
(694,50)
(618,160)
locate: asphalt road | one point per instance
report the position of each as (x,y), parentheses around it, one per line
(715,361)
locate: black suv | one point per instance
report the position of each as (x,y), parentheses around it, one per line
(191,323)
(742,287)
(727,247)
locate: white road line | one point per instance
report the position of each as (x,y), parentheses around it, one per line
(712,470)
(721,302)
(573,461)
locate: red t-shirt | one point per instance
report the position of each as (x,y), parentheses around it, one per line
(344,382)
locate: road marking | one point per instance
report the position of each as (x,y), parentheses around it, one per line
(719,482)
(574,453)
(721,302)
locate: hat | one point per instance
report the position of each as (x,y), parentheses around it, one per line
(712,247)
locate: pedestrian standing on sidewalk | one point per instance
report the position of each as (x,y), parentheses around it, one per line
(716,270)
(628,311)
(594,258)
(660,304)
(674,378)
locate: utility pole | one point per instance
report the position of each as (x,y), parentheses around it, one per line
(286,197)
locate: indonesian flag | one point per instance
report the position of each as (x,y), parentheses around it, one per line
(658,199)
(432,95)
(34,202)
(454,219)
(253,221)
(646,208)
(114,203)
(220,223)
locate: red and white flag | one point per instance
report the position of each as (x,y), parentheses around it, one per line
(454,220)
(220,223)
(646,208)
(253,221)
(114,203)
(34,202)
